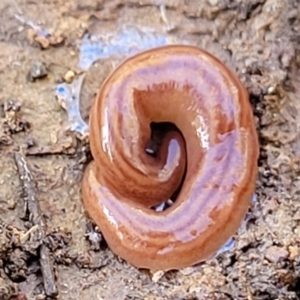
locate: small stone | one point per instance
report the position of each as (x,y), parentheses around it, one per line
(275,254)
(297,231)
(44,42)
(56,40)
(294,252)
(213,2)
(11,204)
(20,28)
(30,142)
(271,90)
(38,70)
(11,105)
(157,275)
(187,271)
(69,76)
(40,297)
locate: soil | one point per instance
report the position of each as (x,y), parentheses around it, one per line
(39,42)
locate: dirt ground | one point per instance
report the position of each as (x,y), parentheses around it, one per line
(40,42)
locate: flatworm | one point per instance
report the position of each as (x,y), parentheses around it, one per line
(170,123)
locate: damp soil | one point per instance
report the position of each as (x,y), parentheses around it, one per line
(42,161)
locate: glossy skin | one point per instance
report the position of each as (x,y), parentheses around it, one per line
(218,147)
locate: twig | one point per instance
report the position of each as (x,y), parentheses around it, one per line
(49,150)
(35,217)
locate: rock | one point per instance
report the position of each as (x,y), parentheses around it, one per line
(275,254)
(69,76)
(294,252)
(43,41)
(38,70)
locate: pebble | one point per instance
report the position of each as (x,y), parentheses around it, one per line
(213,2)
(43,41)
(157,275)
(275,254)
(69,76)
(38,70)
(294,252)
